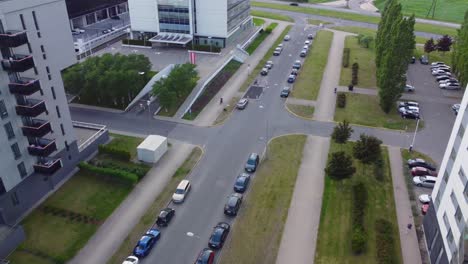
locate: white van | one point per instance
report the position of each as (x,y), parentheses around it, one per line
(181,192)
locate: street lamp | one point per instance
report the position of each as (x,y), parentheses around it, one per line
(210,43)
(248,69)
(149,115)
(414,136)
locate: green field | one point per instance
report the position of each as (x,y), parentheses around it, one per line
(333,242)
(308,82)
(301,110)
(259,39)
(365,57)
(270,15)
(371,32)
(446,10)
(258,21)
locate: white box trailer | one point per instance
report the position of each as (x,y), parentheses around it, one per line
(152,148)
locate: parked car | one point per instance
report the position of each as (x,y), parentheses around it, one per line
(280,45)
(293,4)
(303,53)
(424,59)
(420,163)
(424,181)
(297,64)
(294,71)
(252,162)
(450,86)
(424,209)
(206,256)
(219,235)
(438,72)
(264,71)
(409,88)
(146,243)
(310,36)
(269,65)
(413,109)
(437,63)
(443,77)
(291,78)
(307,42)
(413,60)
(285,92)
(165,216)
(277,52)
(242,182)
(425,198)
(441,67)
(408,103)
(131,260)
(456,108)
(450,80)
(181,192)
(242,104)
(233,204)
(287,38)
(422,171)
(410,115)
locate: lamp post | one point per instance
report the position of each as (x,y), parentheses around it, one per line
(210,43)
(149,115)
(414,136)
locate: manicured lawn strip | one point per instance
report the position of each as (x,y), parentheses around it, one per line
(260,38)
(256,235)
(317,22)
(161,201)
(334,242)
(212,89)
(366,60)
(435,55)
(363,109)
(371,32)
(23,257)
(258,21)
(307,85)
(301,110)
(229,108)
(441,30)
(259,13)
(125,142)
(256,71)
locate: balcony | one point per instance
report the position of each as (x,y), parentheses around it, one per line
(37,128)
(18,63)
(31,108)
(48,166)
(13,39)
(42,147)
(24,86)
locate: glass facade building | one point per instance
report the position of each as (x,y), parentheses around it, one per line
(174,16)
(238,11)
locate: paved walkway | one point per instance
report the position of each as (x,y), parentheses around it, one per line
(408,238)
(325,106)
(116,228)
(298,101)
(300,232)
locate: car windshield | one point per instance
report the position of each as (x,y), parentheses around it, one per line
(216,238)
(232,201)
(240,181)
(251,162)
(179,191)
(163,214)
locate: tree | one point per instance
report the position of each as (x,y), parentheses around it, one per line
(342,132)
(367,149)
(460,53)
(429,46)
(340,166)
(365,40)
(444,43)
(390,15)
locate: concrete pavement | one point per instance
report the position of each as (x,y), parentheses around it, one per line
(103,243)
(408,238)
(301,229)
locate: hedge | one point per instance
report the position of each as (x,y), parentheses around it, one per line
(270,28)
(385,242)
(341,100)
(139,170)
(207,48)
(136,42)
(114,152)
(359,234)
(345,60)
(355,70)
(121,175)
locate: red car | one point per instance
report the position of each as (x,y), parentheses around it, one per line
(424,208)
(421,171)
(206,256)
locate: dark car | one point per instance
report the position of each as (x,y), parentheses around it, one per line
(233,204)
(303,53)
(294,71)
(285,92)
(264,71)
(413,60)
(252,162)
(291,78)
(420,163)
(293,4)
(219,235)
(206,256)
(310,36)
(146,243)
(242,182)
(297,64)
(424,60)
(165,216)
(422,171)
(410,114)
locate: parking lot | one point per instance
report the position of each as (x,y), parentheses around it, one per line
(95,30)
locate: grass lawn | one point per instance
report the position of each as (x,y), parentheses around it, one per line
(26,257)
(435,55)
(301,110)
(362,109)
(441,30)
(259,13)
(259,39)
(256,71)
(258,21)
(126,142)
(371,32)
(317,22)
(333,241)
(259,225)
(447,10)
(150,217)
(229,108)
(308,82)
(366,60)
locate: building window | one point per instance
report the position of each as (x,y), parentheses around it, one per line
(35,70)
(35,20)
(49,77)
(462,175)
(53,92)
(67,147)
(63,129)
(465,192)
(9,130)
(41,92)
(22,170)
(42,48)
(16,151)
(446,176)
(450,236)
(22,21)
(453,154)
(2,187)
(44,56)
(39,34)
(14,199)
(3,110)
(461,131)
(454,200)
(47,69)
(458,214)
(446,221)
(29,47)
(58,111)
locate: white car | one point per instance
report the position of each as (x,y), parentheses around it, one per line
(131,260)
(449,80)
(280,45)
(425,198)
(425,181)
(440,67)
(413,109)
(408,103)
(181,192)
(450,86)
(409,88)
(437,63)
(287,37)
(456,108)
(307,42)
(441,72)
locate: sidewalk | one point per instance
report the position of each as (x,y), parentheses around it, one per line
(301,229)
(116,228)
(409,241)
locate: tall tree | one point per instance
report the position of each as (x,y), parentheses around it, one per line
(460,53)
(340,166)
(342,132)
(429,46)
(367,149)
(391,13)
(444,43)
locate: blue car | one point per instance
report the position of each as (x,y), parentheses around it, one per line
(146,243)
(242,181)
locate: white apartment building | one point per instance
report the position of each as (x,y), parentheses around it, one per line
(445,224)
(206,22)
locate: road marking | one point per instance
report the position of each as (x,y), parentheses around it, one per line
(260,106)
(157,53)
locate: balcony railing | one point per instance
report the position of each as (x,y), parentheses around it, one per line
(37,128)
(12,39)
(48,166)
(18,63)
(31,108)
(42,147)
(25,86)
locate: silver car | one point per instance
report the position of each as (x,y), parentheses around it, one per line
(242,104)
(425,181)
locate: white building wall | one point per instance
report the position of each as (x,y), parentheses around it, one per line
(144,15)
(211,18)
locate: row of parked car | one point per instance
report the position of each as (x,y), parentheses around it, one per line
(424,175)
(409,109)
(443,75)
(220,231)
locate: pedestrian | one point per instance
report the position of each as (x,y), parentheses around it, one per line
(221,100)
(409,226)
(410,148)
(336,89)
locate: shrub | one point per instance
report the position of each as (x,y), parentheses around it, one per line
(385,242)
(355,70)
(270,28)
(340,166)
(117,153)
(136,42)
(206,48)
(359,234)
(341,100)
(126,177)
(345,60)
(358,241)
(139,170)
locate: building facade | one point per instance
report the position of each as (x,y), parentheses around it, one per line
(39,147)
(445,223)
(83,13)
(206,22)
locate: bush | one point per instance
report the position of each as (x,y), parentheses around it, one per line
(341,100)
(385,242)
(345,60)
(117,153)
(270,28)
(136,42)
(359,234)
(358,241)
(126,177)
(206,48)
(139,170)
(355,70)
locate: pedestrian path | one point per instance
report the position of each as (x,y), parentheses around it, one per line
(298,101)
(408,238)
(301,229)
